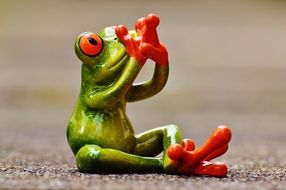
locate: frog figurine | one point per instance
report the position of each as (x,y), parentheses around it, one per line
(99,132)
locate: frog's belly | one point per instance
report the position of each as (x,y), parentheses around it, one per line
(107,129)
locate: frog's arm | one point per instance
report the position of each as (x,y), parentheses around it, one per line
(151,87)
(108,97)
(151,48)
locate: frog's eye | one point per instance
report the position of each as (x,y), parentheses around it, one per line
(90,44)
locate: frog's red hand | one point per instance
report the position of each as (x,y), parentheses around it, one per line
(158,54)
(196,162)
(150,44)
(131,44)
(146,44)
(146,27)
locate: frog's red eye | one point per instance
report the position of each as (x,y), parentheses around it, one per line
(90,44)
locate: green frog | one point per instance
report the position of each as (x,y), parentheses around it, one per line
(99,131)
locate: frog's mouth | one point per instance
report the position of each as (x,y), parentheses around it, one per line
(118,62)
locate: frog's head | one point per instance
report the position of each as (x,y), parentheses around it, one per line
(103,56)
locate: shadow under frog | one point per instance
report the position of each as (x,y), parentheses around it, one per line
(99,131)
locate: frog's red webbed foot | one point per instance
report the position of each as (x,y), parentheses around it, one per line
(146,44)
(196,162)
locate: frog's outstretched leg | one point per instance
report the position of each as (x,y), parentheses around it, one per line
(184,160)
(153,142)
(92,158)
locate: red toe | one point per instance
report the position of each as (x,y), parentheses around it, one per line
(217,169)
(152,20)
(217,153)
(188,145)
(222,135)
(121,31)
(175,152)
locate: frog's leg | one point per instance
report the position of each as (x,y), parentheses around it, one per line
(180,155)
(154,141)
(92,158)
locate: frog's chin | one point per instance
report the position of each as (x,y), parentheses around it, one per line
(118,63)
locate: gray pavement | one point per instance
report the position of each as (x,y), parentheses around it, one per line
(227,67)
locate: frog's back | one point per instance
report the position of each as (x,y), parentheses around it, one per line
(107,128)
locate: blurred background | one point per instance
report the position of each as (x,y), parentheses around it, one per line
(227,66)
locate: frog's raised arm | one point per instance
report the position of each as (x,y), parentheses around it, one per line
(151,48)
(140,44)
(149,88)
(107,97)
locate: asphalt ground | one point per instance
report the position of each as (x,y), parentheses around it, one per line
(227,66)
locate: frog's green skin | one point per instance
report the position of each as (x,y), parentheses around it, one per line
(99,131)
